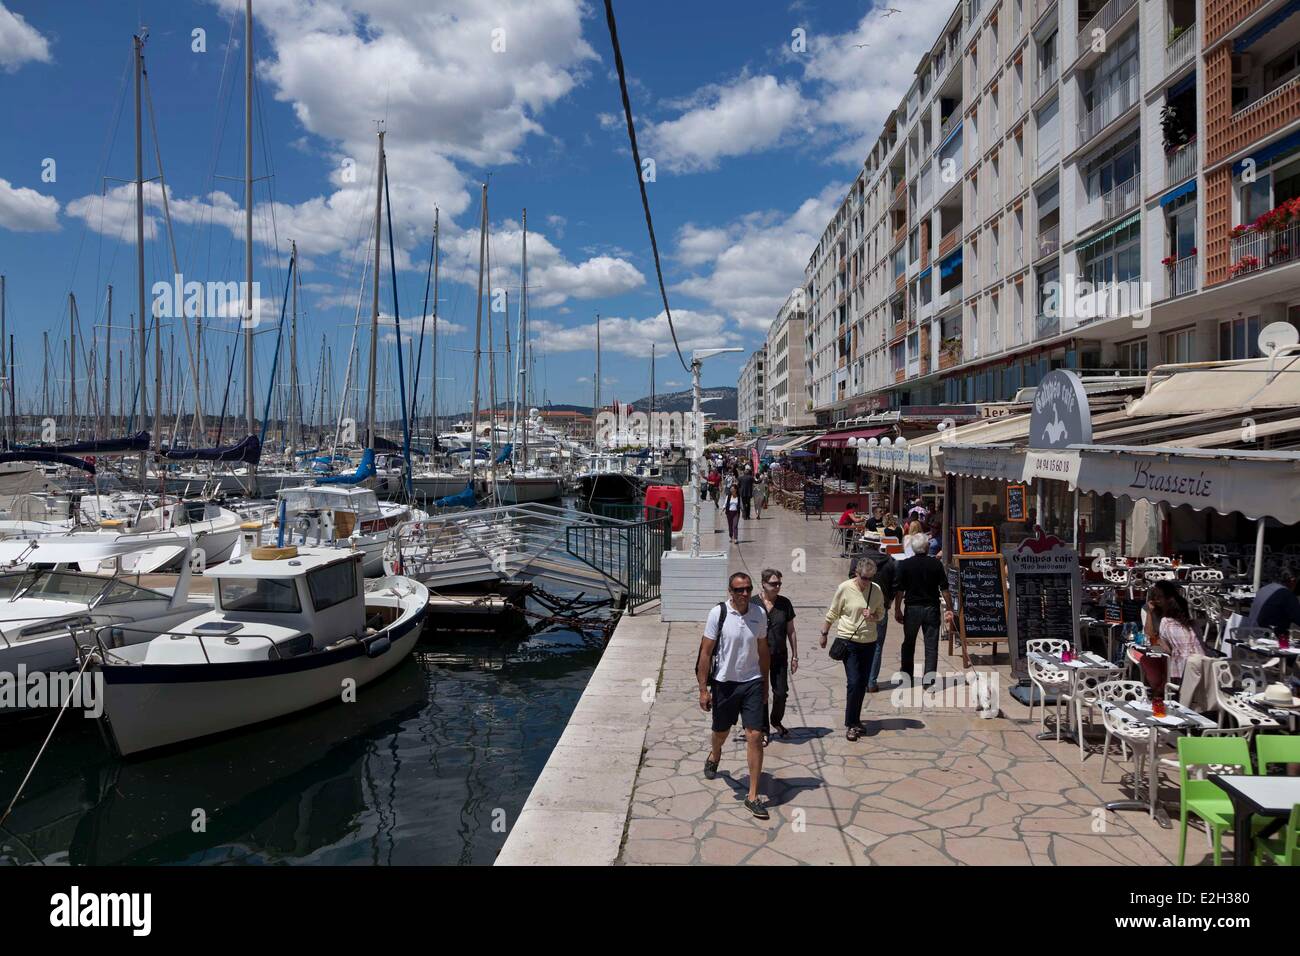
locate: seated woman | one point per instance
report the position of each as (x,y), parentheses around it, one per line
(850,515)
(1169,629)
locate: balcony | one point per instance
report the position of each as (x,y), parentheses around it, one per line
(1180,163)
(1180,276)
(1257,249)
(1048,155)
(1119,102)
(1045,326)
(949,353)
(1119,200)
(949,124)
(1049,241)
(1180,48)
(1106,18)
(1046,79)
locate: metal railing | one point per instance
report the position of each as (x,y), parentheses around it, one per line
(1046,326)
(1049,241)
(1117,102)
(1181,276)
(1046,78)
(1180,50)
(630,551)
(1180,163)
(1118,200)
(1263,249)
(1106,17)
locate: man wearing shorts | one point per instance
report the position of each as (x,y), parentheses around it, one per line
(733,672)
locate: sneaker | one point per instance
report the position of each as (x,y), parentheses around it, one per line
(710,768)
(757,809)
(872,688)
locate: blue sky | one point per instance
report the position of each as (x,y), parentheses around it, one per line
(753,143)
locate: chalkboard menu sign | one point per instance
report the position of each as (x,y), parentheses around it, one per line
(1046,591)
(1131,611)
(982,540)
(983,598)
(814,496)
(1114,614)
(1016,503)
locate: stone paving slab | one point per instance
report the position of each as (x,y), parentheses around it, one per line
(931,783)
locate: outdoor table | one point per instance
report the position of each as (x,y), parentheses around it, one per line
(1268,646)
(1081,664)
(1253,796)
(1178,719)
(1286,716)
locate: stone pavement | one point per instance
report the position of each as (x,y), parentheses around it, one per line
(930,783)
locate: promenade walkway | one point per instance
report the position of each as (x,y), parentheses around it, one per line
(930,783)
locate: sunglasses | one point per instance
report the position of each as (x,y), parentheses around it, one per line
(742,590)
(772,584)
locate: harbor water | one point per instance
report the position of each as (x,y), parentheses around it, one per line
(430,765)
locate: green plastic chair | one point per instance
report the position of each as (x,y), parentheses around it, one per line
(1276,749)
(1286,850)
(1204,798)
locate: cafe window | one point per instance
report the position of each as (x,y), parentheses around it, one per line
(1179,346)
(1239,339)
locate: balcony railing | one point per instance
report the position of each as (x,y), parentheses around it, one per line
(948,124)
(1048,154)
(1120,100)
(1106,17)
(1049,241)
(1180,163)
(1181,276)
(1181,49)
(1046,78)
(949,241)
(1119,200)
(1045,326)
(1262,249)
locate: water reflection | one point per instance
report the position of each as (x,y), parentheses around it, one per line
(417,771)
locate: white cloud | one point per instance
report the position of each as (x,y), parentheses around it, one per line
(754,262)
(19,42)
(634,336)
(26,210)
(747,115)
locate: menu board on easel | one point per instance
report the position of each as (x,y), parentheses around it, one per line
(1046,595)
(814,497)
(983,600)
(978,540)
(1016,503)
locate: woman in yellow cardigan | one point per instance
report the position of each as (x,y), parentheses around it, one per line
(858,605)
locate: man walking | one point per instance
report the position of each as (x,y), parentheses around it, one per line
(746,491)
(732,670)
(918,582)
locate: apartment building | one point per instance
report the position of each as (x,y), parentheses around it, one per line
(1091,184)
(751,394)
(788,403)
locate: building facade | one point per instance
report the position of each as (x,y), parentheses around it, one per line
(788,402)
(751,394)
(1103,185)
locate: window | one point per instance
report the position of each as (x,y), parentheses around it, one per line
(276,595)
(1116,258)
(1284,68)
(1114,167)
(1179,346)
(1132,356)
(1239,339)
(121,592)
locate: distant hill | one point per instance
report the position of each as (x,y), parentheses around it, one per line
(717,402)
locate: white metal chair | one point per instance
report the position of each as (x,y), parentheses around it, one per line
(1130,731)
(1160,575)
(1084,695)
(1205,574)
(1159,560)
(1229,674)
(1043,676)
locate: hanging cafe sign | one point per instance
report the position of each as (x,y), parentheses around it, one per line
(912,461)
(1060,417)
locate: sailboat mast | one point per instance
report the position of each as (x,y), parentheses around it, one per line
(651,419)
(595,410)
(293,356)
(433,368)
(374,301)
(139,235)
(478,337)
(249,411)
(72,364)
(108,365)
(492,357)
(4,370)
(523,335)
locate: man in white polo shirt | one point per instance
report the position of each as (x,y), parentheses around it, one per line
(733,684)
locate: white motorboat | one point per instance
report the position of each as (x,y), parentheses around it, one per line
(291,629)
(47,608)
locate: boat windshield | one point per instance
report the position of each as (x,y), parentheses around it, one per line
(82,588)
(275,595)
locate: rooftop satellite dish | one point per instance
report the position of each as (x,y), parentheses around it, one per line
(1277,335)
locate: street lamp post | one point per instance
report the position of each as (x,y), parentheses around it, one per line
(697,449)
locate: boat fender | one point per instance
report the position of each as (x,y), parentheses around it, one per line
(379,645)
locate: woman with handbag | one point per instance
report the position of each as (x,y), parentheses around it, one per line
(858,605)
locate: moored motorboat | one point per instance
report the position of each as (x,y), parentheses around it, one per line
(291,629)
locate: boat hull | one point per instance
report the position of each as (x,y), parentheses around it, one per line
(518,491)
(609,487)
(150,706)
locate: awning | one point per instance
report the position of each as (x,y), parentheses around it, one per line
(1239,386)
(1263,156)
(789,444)
(1121,225)
(1179,193)
(948,266)
(841,439)
(1265,27)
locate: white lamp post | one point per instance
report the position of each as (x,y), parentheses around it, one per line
(697,451)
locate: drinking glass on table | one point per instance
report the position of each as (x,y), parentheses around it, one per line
(1158,706)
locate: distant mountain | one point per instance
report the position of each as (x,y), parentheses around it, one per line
(715,402)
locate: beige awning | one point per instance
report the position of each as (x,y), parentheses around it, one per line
(1224,387)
